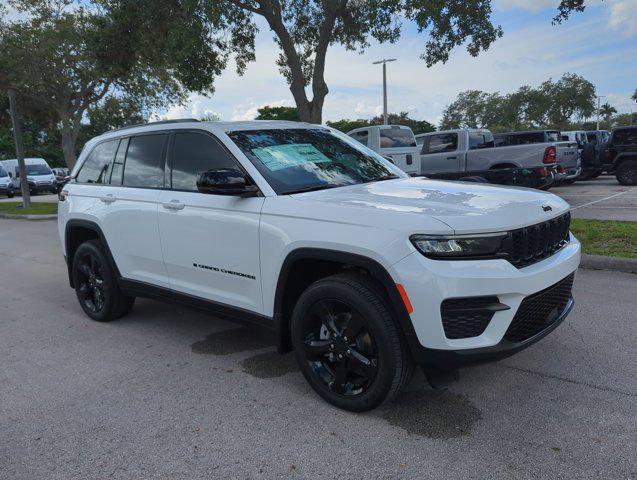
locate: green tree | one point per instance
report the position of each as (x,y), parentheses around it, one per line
(402,118)
(634,95)
(554,104)
(305,29)
(278,113)
(69,56)
(607,111)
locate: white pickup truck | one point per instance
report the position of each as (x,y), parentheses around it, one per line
(472,154)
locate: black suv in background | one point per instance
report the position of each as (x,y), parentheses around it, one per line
(621,155)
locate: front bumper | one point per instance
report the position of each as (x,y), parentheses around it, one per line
(429,282)
(42,187)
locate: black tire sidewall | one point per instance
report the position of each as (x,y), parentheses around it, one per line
(382,384)
(628,165)
(108,312)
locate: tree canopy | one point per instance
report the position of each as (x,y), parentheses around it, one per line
(402,118)
(553,104)
(278,113)
(68,56)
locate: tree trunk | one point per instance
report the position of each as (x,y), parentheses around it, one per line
(68,148)
(19,150)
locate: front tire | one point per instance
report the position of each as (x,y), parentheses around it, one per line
(626,173)
(10,194)
(96,284)
(347,343)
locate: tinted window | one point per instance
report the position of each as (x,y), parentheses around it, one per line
(445,142)
(591,137)
(396,137)
(118,164)
(3,173)
(299,159)
(98,163)
(144,162)
(480,140)
(362,137)
(194,153)
(626,136)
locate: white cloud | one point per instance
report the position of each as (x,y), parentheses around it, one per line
(623,17)
(249,110)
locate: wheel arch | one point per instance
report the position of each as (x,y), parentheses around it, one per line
(304,266)
(78,231)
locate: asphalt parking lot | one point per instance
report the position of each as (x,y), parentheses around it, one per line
(603,198)
(173,393)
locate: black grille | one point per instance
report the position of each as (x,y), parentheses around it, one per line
(528,245)
(466,317)
(540,310)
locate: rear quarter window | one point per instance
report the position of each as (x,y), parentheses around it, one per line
(97,166)
(444,142)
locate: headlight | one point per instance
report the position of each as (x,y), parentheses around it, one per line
(458,246)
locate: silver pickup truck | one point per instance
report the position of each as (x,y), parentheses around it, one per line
(568,160)
(471,153)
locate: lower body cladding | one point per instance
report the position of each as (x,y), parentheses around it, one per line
(474,311)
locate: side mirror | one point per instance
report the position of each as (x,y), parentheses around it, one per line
(10,176)
(225,181)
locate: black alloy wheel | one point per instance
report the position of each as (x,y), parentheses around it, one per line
(95,283)
(347,344)
(339,348)
(92,289)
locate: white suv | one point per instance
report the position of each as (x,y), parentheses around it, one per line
(361,270)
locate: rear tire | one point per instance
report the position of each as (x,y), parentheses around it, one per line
(96,284)
(347,343)
(626,172)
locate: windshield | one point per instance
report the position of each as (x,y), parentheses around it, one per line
(37,169)
(295,160)
(3,173)
(395,137)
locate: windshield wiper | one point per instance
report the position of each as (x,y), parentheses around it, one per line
(311,189)
(386,177)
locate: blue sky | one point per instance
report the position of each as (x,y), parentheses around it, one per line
(599,44)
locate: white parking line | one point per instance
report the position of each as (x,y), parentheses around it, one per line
(600,200)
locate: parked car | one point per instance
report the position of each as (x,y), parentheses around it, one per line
(6,185)
(39,175)
(361,270)
(60,173)
(567,156)
(471,154)
(395,142)
(621,155)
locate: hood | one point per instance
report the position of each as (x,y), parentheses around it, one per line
(466,207)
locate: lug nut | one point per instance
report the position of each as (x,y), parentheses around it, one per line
(332,346)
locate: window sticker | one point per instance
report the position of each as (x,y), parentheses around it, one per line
(277,157)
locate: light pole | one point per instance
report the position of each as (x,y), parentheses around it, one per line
(599,99)
(384,61)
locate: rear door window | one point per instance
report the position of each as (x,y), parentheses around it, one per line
(480,140)
(96,168)
(444,142)
(144,166)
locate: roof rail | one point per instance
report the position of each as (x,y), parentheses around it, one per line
(161,122)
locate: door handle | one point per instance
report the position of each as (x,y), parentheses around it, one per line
(108,198)
(452,158)
(173,205)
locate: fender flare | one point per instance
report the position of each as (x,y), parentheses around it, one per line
(624,156)
(88,225)
(378,272)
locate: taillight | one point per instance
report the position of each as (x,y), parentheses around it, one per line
(549,155)
(544,172)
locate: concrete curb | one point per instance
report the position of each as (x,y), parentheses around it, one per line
(29,217)
(600,262)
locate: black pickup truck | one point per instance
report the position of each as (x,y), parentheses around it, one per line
(621,155)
